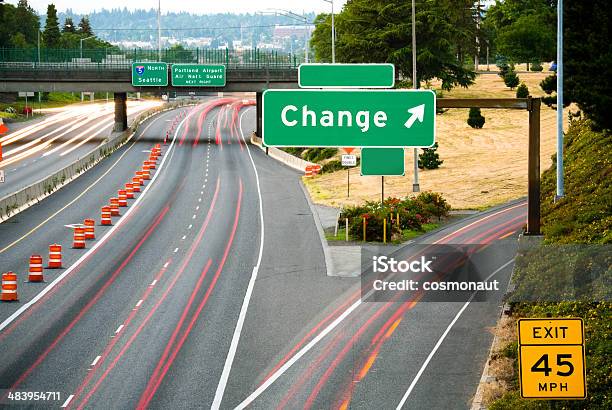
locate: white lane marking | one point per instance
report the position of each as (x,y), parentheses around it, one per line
(203,186)
(95,361)
(166,264)
(103,240)
(119,329)
(190,226)
(139,303)
(198,208)
(183,238)
(67,402)
(153,283)
(193,217)
(439,343)
(199,199)
(229,360)
(202,192)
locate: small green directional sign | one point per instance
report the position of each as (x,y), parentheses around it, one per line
(149,74)
(382,162)
(198,75)
(349,118)
(346,75)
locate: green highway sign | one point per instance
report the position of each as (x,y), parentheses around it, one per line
(346,75)
(382,162)
(198,75)
(149,74)
(349,118)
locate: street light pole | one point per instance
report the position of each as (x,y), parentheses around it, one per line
(159,55)
(560,180)
(415,85)
(333,32)
(81,41)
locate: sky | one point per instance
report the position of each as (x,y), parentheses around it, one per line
(191,6)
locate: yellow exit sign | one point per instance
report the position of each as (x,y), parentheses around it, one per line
(551,359)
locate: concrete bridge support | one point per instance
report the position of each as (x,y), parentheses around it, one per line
(120,112)
(258,100)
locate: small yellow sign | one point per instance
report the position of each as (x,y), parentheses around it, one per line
(551,359)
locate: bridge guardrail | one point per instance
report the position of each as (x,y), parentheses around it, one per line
(19,201)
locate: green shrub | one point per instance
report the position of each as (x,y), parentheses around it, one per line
(549,84)
(522,91)
(475,118)
(536,66)
(511,79)
(429,158)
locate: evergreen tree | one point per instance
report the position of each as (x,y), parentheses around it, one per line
(522,91)
(52,33)
(475,118)
(429,158)
(26,22)
(68,26)
(85,27)
(511,79)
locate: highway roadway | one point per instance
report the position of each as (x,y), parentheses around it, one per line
(32,151)
(210,291)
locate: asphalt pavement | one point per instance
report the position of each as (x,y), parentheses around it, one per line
(178,304)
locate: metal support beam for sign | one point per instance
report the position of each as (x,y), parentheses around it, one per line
(533,201)
(259,113)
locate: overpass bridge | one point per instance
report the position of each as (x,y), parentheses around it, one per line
(100,70)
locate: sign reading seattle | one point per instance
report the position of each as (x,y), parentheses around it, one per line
(149,74)
(353,118)
(198,75)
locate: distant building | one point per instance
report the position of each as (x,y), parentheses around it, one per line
(289,31)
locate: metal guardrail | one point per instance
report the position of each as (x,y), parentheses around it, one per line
(19,201)
(114,58)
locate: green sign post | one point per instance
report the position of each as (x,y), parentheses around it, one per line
(198,75)
(349,118)
(382,162)
(149,74)
(346,75)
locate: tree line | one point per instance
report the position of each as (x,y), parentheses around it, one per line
(21,29)
(450,33)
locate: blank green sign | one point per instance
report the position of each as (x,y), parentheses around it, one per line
(346,75)
(382,161)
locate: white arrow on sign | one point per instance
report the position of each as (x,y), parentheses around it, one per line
(417,112)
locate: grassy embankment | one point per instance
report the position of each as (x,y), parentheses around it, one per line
(583,216)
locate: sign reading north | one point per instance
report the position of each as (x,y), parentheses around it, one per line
(149,74)
(341,118)
(551,358)
(198,75)
(346,75)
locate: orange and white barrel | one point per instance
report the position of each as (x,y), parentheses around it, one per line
(122,194)
(150,163)
(140,176)
(106,216)
(129,190)
(9,287)
(136,184)
(316,169)
(308,171)
(114,206)
(146,173)
(78,240)
(36,269)
(55,256)
(90,229)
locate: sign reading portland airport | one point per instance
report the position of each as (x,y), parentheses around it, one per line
(198,75)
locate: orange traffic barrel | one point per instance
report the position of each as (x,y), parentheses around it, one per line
(114,206)
(316,169)
(146,174)
(78,241)
(136,184)
(122,194)
(308,171)
(55,256)
(140,177)
(106,216)
(9,287)
(36,269)
(90,230)
(151,163)
(129,190)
